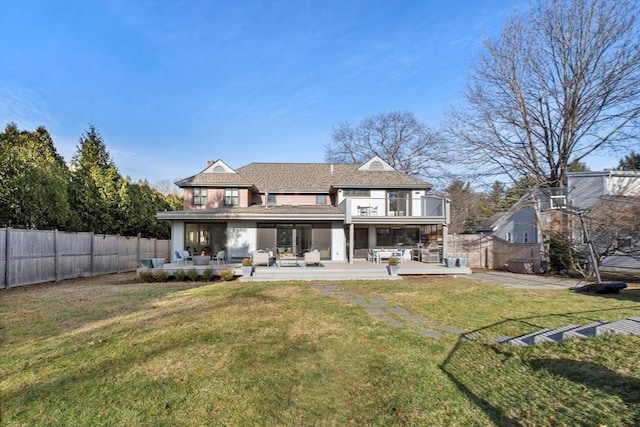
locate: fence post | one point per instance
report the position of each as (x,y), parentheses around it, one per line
(56,255)
(7,285)
(119,241)
(138,250)
(93,236)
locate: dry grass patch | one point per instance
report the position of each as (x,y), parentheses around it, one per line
(281,354)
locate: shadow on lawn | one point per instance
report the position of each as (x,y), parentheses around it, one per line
(514,391)
(592,375)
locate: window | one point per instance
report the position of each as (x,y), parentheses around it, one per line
(199,196)
(398,236)
(356,193)
(321,199)
(271,199)
(376,166)
(231,197)
(526,237)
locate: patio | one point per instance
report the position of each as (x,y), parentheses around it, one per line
(326,270)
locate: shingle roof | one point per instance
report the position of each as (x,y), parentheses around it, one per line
(304,177)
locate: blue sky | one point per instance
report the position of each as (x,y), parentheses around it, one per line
(172,84)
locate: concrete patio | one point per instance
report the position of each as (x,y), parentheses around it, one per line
(327,270)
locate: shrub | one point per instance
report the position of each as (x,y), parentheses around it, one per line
(207,274)
(192,274)
(161,276)
(246,262)
(393,261)
(227,274)
(562,255)
(179,275)
(146,275)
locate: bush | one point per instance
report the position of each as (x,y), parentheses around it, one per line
(179,275)
(246,262)
(207,274)
(562,254)
(146,275)
(227,274)
(161,276)
(192,274)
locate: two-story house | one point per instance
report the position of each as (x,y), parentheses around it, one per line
(341,210)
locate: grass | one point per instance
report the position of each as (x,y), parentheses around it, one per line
(109,351)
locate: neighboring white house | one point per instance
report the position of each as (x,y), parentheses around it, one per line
(582,191)
(341,210)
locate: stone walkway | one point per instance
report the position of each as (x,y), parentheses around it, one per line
(381,311)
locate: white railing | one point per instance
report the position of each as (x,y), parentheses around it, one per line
(365,207)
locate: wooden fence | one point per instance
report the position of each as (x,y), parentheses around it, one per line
(491,252)
(36,256)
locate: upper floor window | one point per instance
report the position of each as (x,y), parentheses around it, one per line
(321,199)
(356,193)
(231,197)
(199,196)
(271,199)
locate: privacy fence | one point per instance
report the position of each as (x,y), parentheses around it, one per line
(36,256)
(492,252)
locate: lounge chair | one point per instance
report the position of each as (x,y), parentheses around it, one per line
(312,257)
(261,258)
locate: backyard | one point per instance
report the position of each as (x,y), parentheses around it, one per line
(111,351)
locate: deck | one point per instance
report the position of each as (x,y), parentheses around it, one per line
(327,270)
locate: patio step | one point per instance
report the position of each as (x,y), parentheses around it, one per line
(528,339)
(315,273)
(554,335)
(628,326)
(583,332)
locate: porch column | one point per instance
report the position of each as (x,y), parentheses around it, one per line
(351,236)
(445,246)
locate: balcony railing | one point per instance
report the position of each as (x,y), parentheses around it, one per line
(365,209)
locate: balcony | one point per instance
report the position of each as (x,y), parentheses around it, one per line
(363,210)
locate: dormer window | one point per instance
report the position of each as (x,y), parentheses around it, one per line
(199,196)
(219,169)
(231,197)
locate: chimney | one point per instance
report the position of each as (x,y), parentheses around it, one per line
(331,168)
(210,162)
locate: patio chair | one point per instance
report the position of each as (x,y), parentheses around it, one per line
(312,257)
(179,258)
(261,258)
(221,257)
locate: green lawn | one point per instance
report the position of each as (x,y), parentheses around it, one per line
(109,351)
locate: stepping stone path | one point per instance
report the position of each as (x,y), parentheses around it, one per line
(379,308)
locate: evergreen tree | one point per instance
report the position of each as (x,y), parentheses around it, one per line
(630,162)
(95,185)
(34,180)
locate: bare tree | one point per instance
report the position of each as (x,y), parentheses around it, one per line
(616,226)
(398,138)
(560,83)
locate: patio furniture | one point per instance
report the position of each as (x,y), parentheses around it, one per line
(261,257)
(312,257)
(221,257)
(382,255)
(287,259)
(201,259)
(181,258)
(431,254)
